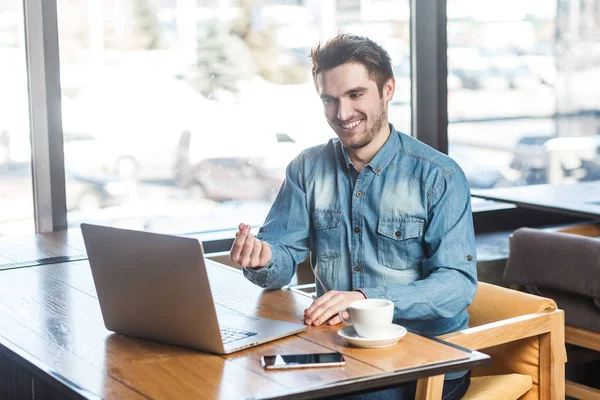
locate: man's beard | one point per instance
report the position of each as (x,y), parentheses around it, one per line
(369,134)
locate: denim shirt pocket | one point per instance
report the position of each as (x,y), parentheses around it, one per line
(328,233)
(400,244)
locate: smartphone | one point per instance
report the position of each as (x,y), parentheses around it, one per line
(286,361)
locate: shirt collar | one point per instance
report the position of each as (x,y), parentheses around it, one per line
(348,161)
(383,156)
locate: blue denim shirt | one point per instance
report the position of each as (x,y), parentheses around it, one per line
(400,229)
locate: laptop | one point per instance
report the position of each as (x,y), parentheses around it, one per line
(156,287)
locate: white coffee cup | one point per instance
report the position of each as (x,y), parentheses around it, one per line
(370,317)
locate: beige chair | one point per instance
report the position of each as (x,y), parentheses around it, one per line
(524,335)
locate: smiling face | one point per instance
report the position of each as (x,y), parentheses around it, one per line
(354,107)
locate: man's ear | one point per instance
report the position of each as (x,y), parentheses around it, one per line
(388,89)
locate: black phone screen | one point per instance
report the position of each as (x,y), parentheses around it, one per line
(277,361)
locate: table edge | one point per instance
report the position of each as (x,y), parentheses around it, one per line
(384,380)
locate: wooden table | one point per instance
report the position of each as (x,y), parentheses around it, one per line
(53,339)
(578,199)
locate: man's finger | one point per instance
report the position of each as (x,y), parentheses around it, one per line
(324,311)
(324,316)
(318,302)
(255,256)
(265,253)
(238,243)
(236,248)
(247,251)
(335,320)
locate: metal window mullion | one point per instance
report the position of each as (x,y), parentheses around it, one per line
(429,73)
(47,153)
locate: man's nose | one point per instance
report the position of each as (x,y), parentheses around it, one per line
(344,110)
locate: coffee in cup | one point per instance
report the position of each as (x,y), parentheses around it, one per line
(370,317)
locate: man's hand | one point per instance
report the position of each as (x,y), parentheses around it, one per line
(329,305)
(248,251)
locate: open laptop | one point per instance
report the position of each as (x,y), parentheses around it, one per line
(156,287)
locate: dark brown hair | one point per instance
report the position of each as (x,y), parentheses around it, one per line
(345,48)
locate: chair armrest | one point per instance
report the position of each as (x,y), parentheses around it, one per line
(504,331)
(496,303)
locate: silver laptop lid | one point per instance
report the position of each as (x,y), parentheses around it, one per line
(153,286)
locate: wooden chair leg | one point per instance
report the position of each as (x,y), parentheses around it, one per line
(430,388)
(552,360)
(583,338)
(589,340)
(582,392)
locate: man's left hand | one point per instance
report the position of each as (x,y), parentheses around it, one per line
(328,306)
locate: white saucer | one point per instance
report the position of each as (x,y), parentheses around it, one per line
(389,338)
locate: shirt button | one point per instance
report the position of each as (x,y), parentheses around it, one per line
(357,269)
(358,194)
(469,258)
(378,170)
(398,233)
(357,230)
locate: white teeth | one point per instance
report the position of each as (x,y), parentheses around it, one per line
(351,125)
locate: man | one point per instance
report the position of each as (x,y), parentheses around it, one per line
(382,214)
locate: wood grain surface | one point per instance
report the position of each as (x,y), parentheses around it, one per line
(50,318)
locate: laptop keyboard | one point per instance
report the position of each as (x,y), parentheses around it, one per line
(232,334)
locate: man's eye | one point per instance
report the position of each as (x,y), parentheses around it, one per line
(355,96)
(327,101)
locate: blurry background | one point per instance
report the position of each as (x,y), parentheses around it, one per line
(181,115)
(523,78)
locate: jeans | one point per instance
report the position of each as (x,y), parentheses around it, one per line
(454,389)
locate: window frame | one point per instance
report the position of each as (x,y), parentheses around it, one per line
(429,110)
(47,152)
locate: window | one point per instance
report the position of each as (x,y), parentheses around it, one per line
(181,116)
(522,100)
(16,195)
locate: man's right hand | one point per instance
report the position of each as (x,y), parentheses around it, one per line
(248,251)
